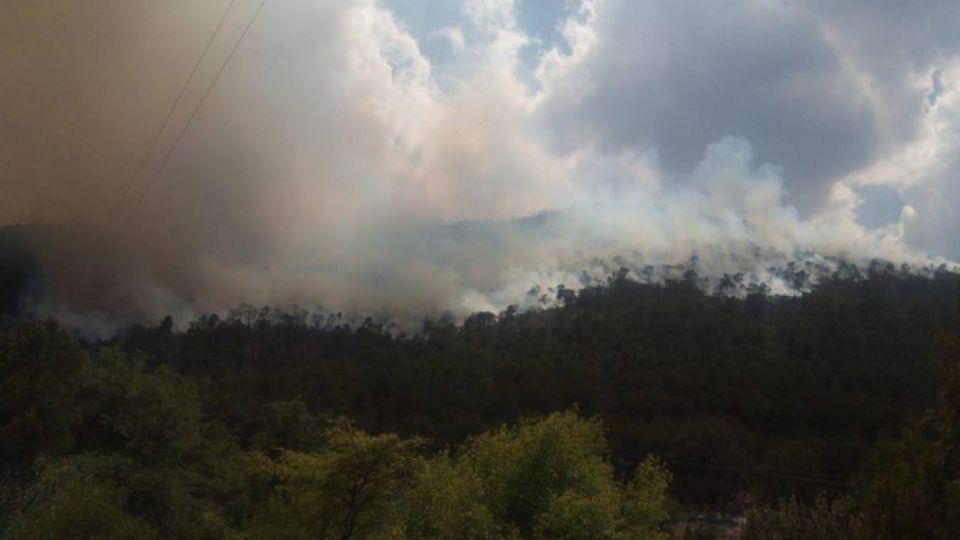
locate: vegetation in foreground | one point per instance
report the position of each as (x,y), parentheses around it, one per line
(835,414)
(111,449)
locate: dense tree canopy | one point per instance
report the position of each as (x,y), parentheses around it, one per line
(820,410)
(764,394)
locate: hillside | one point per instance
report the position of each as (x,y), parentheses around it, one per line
(745,401)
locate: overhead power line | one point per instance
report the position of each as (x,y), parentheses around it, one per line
(105,228)
(186,126)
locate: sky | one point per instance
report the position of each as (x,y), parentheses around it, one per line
(403,157)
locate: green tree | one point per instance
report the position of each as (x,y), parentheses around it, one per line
(914,491)
(447,501)
(825,519)
(645,501)
(138,436)
(41,373)
(70,499)
(347,490)
(550,478)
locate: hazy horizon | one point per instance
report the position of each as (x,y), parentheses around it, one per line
(347,147)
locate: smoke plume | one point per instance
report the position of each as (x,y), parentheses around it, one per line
(371,157)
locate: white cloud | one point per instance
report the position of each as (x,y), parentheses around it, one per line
(337,164)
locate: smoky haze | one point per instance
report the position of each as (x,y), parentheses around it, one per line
(357,156)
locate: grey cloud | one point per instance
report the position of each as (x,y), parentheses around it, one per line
(329,166)
(678,75)
(933,221)
(936,87)
(893,34)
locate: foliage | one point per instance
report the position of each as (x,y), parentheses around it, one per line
(793,520)
(446,501)
(646,503)
(137,437)
(228,428)
(914,482)
(725,388)
(81,508)
(41,371)
(348,490)
(549,478)
(526,467)
(545,478)
(137,457)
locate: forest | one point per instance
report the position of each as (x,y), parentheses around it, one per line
(619,413)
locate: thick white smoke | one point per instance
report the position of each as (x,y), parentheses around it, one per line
(338,163)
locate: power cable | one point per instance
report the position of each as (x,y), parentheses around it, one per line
(187,125)
(105,228)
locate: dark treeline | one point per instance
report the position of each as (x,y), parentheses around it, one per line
(722,387)
(835,410)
